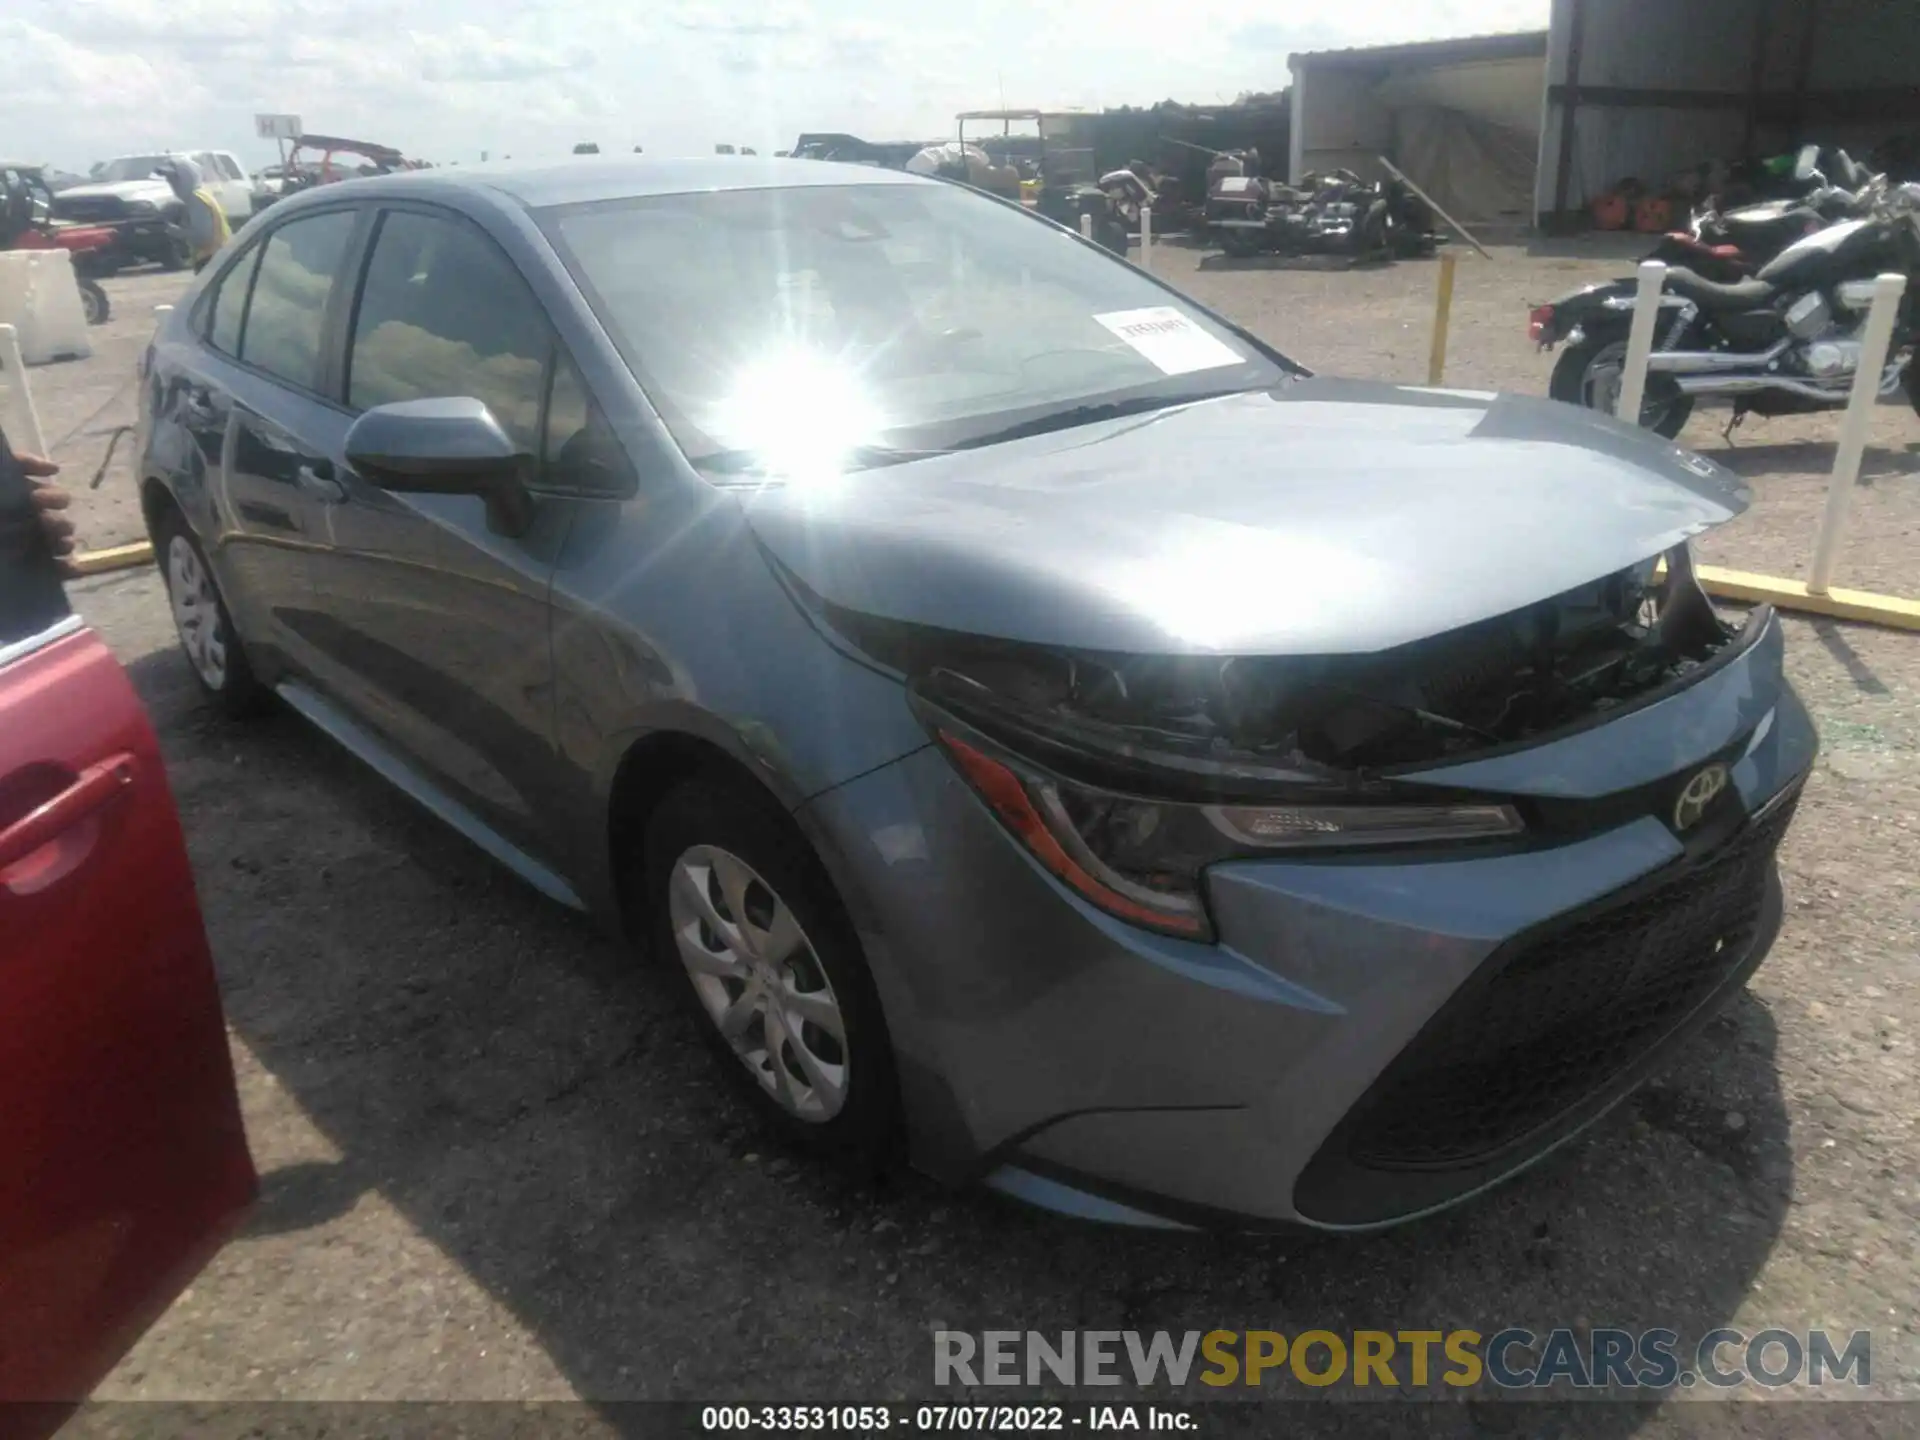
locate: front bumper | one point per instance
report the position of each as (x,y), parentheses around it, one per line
(1353,1011)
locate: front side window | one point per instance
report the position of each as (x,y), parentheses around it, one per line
(299,267)
(882,318)
(443,313)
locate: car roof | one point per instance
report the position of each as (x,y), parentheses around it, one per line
(573,181)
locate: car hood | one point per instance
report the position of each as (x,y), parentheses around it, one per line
(154,190)
(1324,517)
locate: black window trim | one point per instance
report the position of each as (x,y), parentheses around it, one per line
(340,347)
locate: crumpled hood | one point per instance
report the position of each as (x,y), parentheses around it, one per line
(157,191)
(1326,517)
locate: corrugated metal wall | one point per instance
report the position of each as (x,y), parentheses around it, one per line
(1722,46)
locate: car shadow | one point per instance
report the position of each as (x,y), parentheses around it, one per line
(1807,457)
(537,1105)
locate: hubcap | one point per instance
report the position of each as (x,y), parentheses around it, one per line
(760,981)
(196,613)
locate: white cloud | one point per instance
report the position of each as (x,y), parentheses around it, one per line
(448,79)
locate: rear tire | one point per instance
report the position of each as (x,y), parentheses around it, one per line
(1238,244)
(200,621)
(94,301)
(1588,375)
(716,852)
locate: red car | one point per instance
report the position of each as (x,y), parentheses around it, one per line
(123,1164)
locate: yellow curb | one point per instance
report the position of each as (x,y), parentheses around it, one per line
(1861,605)
(119,557)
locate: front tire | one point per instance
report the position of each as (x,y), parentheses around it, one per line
(1588,374)
(771,969)
(1238,244)
(200,620)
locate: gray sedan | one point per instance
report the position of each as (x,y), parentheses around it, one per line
(1058,739)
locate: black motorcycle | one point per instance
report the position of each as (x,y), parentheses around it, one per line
(1787,341)
(1333,214)
(1729,244)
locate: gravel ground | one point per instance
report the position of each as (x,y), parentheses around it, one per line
(496,1165)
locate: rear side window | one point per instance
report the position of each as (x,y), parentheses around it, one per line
(444,313)
(298,268)
(230,303)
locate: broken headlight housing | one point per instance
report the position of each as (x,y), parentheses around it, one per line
(1132,827)
(1126,776)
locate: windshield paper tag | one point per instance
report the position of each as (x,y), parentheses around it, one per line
(1169,340)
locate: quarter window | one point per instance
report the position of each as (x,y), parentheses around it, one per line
(583,455)
(298,269)
(444,313)
(230,303)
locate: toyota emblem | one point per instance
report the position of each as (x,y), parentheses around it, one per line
(1702,790)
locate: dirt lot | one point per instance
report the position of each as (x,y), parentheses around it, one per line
(497,1167)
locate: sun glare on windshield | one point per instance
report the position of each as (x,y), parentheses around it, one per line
(801,412)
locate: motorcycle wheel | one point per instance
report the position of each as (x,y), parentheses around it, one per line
(94,301)
(1588,374)
(1238,244)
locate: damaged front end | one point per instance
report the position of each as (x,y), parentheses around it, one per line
(1127,775)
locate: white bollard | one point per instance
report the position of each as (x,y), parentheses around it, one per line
(1646,315)
(1146,237)
(1887,290)
(17,415)
(1086,226)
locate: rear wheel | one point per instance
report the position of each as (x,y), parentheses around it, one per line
(1589,374)
(200,619)
(94,301)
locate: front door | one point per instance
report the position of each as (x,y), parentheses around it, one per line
(438,624)
(123,1163)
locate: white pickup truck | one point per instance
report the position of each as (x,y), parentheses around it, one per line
(124,193)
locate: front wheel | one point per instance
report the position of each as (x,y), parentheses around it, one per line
(94,301)
(1589,374)
(772,968)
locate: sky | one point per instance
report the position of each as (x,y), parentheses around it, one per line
(446,80)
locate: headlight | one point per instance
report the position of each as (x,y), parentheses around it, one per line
(1140,858)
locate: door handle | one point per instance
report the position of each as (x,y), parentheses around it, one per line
(95,788)
(319,484)
(196,409)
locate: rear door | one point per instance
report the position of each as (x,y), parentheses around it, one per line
(123,1164)
(253,394)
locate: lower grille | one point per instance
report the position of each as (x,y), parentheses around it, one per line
(1553,1016)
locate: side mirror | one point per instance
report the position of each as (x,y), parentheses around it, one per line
(445,447)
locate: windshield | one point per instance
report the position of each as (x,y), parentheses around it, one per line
(843,325)
(130,167)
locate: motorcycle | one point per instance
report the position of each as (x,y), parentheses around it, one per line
(1784,341)
(1729,245)
(26,224)
(1333,214)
